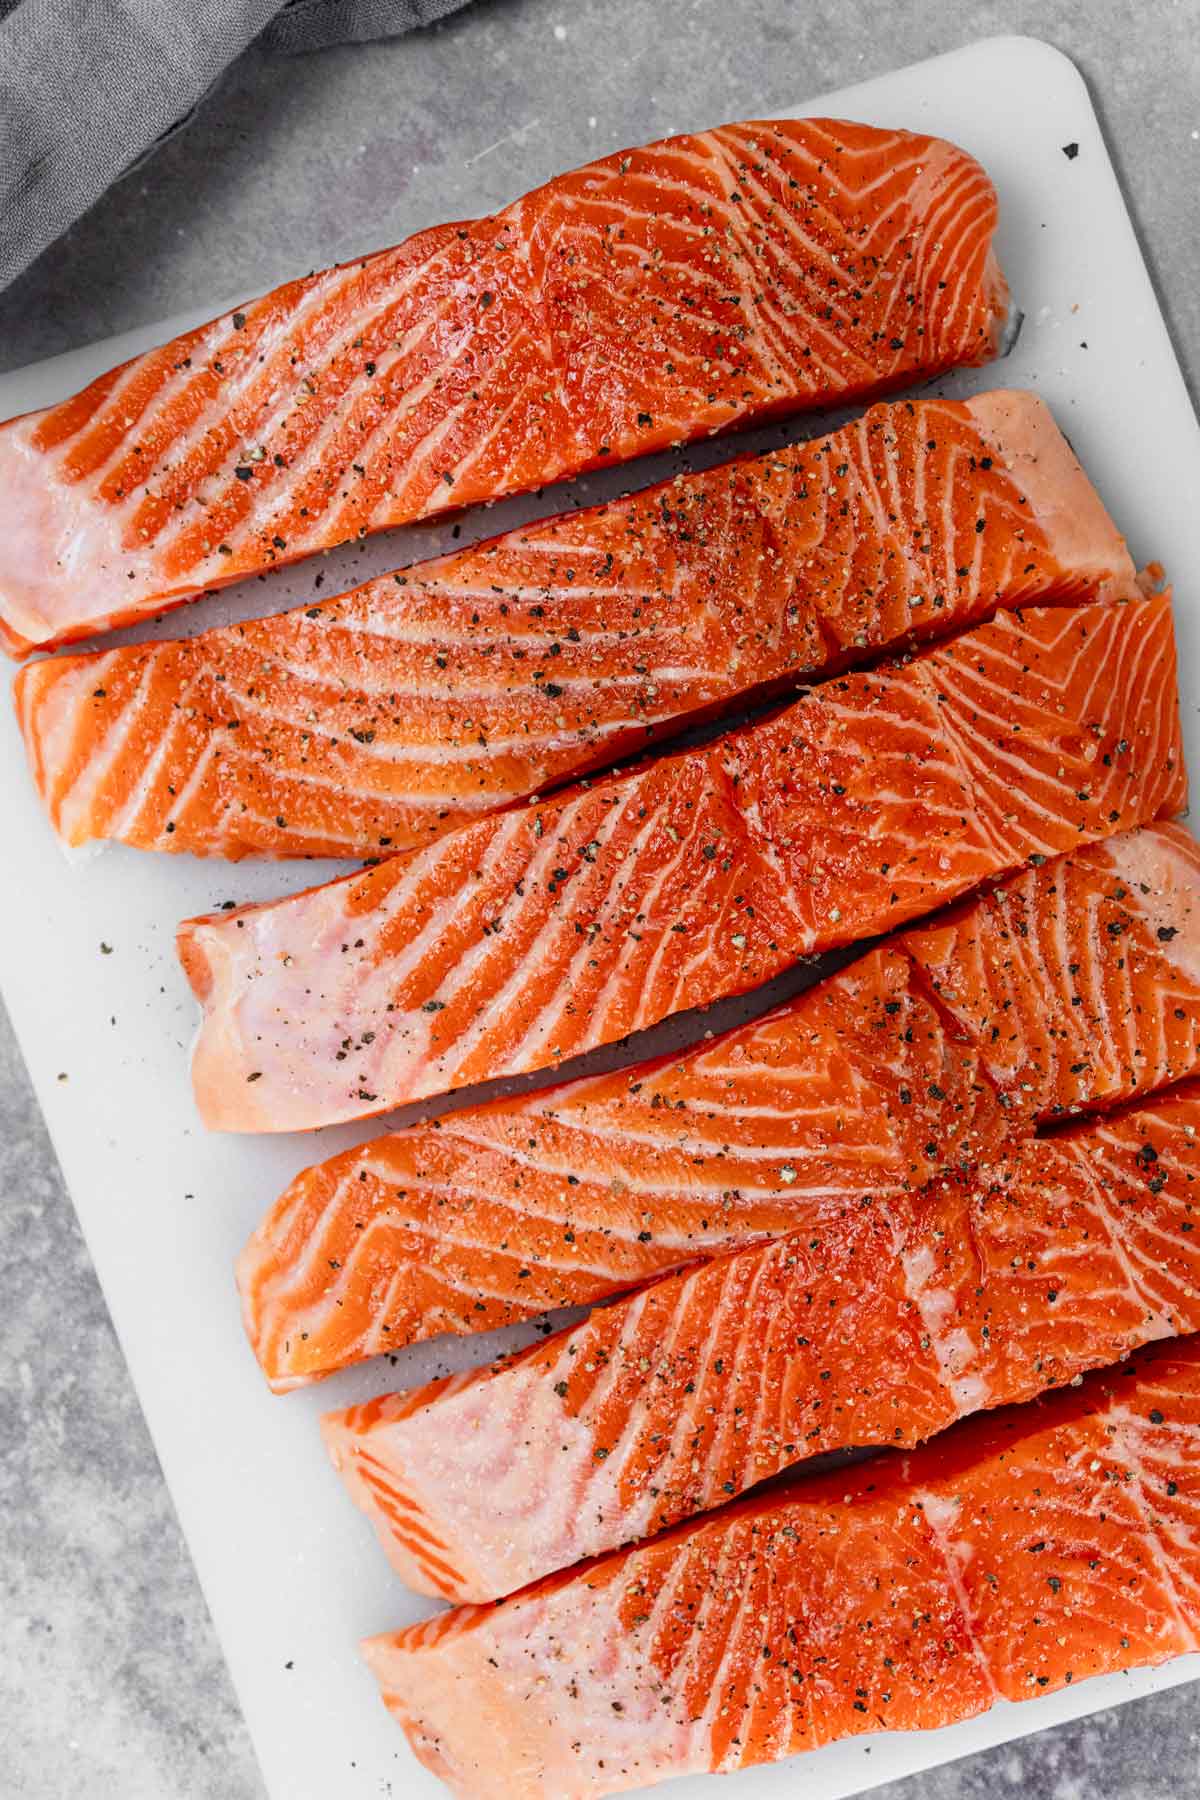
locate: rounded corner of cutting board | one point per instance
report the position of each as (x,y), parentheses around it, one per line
(1031,55)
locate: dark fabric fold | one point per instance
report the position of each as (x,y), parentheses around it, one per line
(317,24)
(89,87)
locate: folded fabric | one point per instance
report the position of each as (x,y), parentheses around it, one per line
(87,87)
(303,25)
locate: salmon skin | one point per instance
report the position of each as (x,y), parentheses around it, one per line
(380,719)
(878,1324)
(1074,986)
(1019,1553)
(538,934)
(652,297)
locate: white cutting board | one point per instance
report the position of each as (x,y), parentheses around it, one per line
(291,1573)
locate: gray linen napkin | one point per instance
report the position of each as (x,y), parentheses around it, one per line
(88,86)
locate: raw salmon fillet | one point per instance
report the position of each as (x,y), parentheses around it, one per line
(657,295)
(1026,1550)
(537,934)
(880,1323)
(1076,985)
(384,717)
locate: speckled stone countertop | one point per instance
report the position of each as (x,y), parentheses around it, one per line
(111,1682)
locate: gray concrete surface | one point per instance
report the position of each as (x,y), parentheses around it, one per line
(111,1682)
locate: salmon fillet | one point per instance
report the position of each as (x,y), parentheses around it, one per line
(880,1323)
(1076,985)
(385,717)
(535,935)
(1024,1551)
(654,296)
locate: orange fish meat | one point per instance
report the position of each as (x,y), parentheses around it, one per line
(880,1323)
(384,717)
(657,295)
(1024,1551)
(1074,986)
(540,933)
